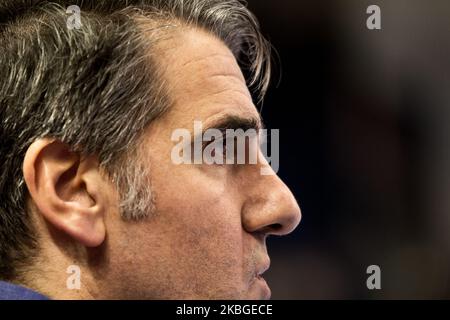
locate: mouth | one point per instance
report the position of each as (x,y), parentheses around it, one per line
(263,267)
(260,281)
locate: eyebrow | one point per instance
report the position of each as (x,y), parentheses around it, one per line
(236,122)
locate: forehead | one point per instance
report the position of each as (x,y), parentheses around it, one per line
(203,78)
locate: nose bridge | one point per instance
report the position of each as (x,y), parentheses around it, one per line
(271,207)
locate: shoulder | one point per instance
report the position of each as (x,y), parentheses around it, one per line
(9,291)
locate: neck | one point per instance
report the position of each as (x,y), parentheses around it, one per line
(62,274)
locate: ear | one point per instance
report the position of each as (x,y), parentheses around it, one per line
(69,192)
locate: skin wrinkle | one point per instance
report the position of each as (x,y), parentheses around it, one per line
(224,90)
(198,60)
(232,90)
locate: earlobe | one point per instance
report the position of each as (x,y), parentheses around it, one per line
(67,190)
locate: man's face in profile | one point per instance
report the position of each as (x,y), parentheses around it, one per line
(206,238)
(88,117)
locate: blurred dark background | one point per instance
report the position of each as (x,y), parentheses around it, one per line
(364,119)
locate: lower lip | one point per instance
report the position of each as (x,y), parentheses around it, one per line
(266,293)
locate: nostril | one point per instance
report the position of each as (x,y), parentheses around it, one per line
(276,227)
(271,229)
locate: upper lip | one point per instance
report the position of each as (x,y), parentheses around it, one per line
(263,267)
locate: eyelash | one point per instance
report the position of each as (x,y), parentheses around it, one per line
(222,139)
(225,150)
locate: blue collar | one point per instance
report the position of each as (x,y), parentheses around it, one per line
(9,291)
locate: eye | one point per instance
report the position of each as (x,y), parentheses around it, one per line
(218,149)
(232,148)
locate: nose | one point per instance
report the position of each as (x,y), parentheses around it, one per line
(271,208)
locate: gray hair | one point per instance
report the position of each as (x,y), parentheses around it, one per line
(96,89)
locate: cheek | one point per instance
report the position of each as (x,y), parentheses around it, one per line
(203,224)
(198,205)
(209,229)
(209,250)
